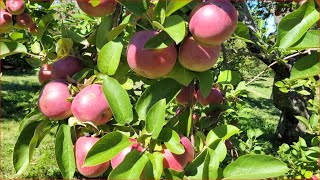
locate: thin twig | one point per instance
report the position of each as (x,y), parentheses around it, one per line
(256,77)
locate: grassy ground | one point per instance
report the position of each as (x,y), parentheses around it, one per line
(20,91)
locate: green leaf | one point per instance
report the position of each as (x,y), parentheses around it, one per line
(9,48)
(33,116)
(36,47)
(131,167)
(115,32)
(229,77)
(175,26)
(185,122)
(43,25)
(156,160)
(118,100)
(64,47)
(76,37)
(221,132)
(166,88)
(198,167)
(102,31)
(280,84)
(304,121)
(173,6)
(309,40)
(314,121)
(172,140)
(294,26)
(94,3)
(34,62)
(17,36)
(159,41)
(181,74)
(159,12)
(64,151)
(138,8)
(219,148)
(156,118)
(109,58)
(305,67)
(212,164)
(205,82)
(255,167)
(106,148)
(242,32)
(171,174)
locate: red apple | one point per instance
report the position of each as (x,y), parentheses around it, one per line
(45,73)
(90,105)
(15,7)
(33,29)
(82,147)
(214,21)
(184,96)
(150,63)
(53,101)
(215,97)
(24,21)
(104,8)
(178,162)
(120,157)
(196,56)
(5,20)
(66,66)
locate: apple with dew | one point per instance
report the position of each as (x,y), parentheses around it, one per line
(66,66)
(184,96)
(23,21)
(150,63)
(15,7)
(213,21)
(5,20)
(120,157)
(178,162)
(197,56)
(45,73)
(215,97)
(82,147)
(91,105)
(53,102)
(104,8)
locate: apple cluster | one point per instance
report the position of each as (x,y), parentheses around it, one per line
(22,19)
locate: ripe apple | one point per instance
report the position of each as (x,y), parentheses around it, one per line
(104,8)
(53,101)
(215,97)
(45,73)
(91,105)
(179,162)
(120,157)
(5,20)
(33,29)
(23,21)
(196,56)
(184,96)
(150,63)
(66,66)
(213,21)
(15,7)
(82,147)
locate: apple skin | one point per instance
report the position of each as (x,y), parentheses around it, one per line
(215,97)
(150,63)
(214,21)
(178,162)
(104,8)
(183,98)
(53,101)
(24,21)
(82,147)
(196,56)
(15,7)
(45,73)
(5,20)
(66,66)
(91,105)
(120,157)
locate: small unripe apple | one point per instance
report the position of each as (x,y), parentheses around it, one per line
(213,21)
(185,95)
(91,105)
(53,102)
(215,97)
(23,21)
(66,66)
(104,8)
(15,7)
(82,147)
(179,162)
(120,157)
(5,20)
(45,73)
(196,56)
(150,63)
